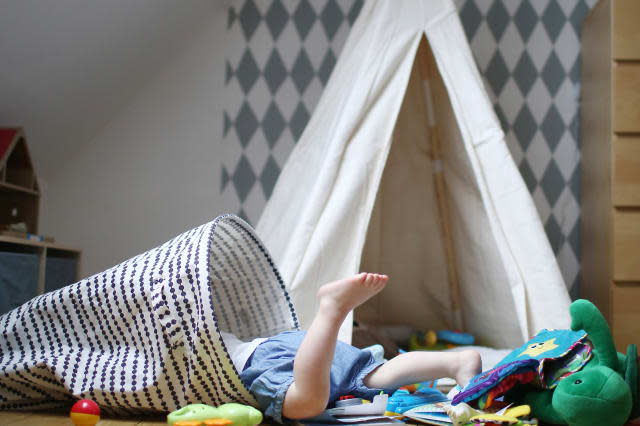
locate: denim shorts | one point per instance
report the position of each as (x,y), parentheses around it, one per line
(268,373)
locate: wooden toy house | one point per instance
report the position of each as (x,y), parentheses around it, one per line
(19,192)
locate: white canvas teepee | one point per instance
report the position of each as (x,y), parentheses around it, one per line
(403,170)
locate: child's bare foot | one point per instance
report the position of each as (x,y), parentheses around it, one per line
(469,365)
(344,295)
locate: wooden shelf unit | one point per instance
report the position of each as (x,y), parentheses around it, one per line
(43,250)
(24,262)
(610,231)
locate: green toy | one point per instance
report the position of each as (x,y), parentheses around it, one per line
(604,392)
(240,415)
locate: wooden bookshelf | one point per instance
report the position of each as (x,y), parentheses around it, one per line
(30,264)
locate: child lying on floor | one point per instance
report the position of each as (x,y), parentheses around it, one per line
(297,374)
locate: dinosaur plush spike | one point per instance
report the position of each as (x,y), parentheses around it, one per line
(585,316)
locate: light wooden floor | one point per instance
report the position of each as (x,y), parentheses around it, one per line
(39,419)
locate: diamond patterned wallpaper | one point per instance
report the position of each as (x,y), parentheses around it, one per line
(281,52)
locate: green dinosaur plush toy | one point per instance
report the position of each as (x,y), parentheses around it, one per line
(604,392)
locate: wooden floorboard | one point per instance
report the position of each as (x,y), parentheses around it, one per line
(8,418)
(19,418)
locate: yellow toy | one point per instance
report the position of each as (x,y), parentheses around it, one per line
(440,340)
(510,416)
(463,413)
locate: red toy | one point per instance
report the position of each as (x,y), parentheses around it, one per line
(85,413)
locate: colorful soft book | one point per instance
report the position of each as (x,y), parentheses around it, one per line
(543,361)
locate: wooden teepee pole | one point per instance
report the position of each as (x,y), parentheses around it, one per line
(428,74)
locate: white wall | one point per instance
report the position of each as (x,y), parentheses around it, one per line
(154,170)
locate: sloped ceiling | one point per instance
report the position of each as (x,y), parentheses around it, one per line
(67,66)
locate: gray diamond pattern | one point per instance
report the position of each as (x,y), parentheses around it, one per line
(528,99)
(246,124)
(553,20)
(471,18)
(302,72)
(552,182)
(247,72)
(304,18)
(527,175)
(243,178)
(525,73)
(554,233)
(273,124)
(331,18)
(274,72)
(497,73)
(276,19)
(553,74)
(525,20)
(299,120)
(326,67)
(525,127)
(497,19)
(249,19)
(269,176)
(552,127)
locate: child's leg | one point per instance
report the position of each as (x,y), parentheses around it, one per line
(415,367)
(308,395)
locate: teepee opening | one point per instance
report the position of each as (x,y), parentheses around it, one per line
(429,230)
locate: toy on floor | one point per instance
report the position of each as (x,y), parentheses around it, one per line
(238,414)
(85,413)
(348,405)
(436,341)
(573,377)
(402,400)
(463,414)
(599,393)
(509,418)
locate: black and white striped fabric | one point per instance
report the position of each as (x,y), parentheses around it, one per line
(144,335)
